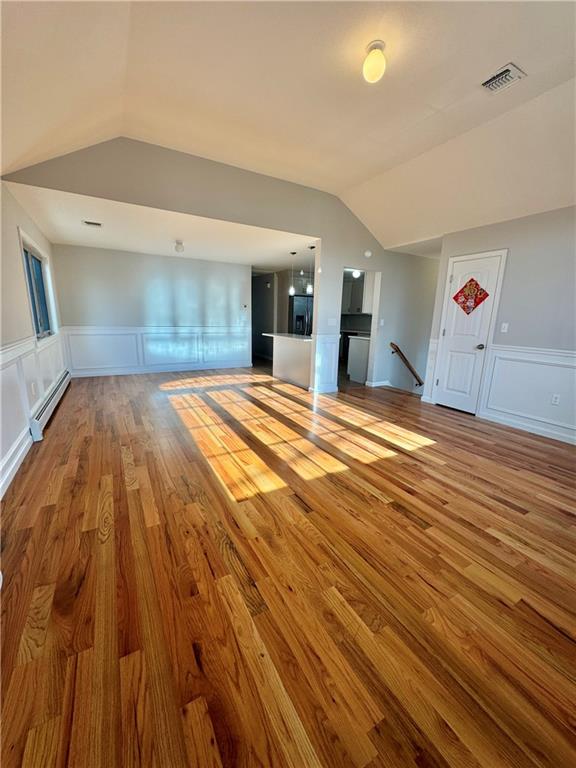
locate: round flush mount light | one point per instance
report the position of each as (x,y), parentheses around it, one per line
(356,273)
(375,62)
(368,254)
(179,246)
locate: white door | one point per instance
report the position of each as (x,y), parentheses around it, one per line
(471,293)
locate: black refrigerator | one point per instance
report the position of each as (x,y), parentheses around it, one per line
(300,315)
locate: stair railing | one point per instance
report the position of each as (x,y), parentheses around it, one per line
(397,351)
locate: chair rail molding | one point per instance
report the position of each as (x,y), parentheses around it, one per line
(324,373)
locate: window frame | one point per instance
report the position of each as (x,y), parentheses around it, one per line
(30,250)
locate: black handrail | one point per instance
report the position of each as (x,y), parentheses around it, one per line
(396,350)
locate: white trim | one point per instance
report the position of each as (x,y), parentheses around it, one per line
(559,363)
(12,352)
(427,392)
(13,459)
(386,383)
(85,360)
(164,368)
(502,253)
(37,371)
(535,428)
(27,242)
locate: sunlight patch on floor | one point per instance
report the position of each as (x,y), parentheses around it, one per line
(219,380)
(351,443)
(239,469)
(305,458)
(392,433)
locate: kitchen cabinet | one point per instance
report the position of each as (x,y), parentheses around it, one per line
(368,293)
(358,294)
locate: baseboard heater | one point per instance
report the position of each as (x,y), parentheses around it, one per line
(42,416)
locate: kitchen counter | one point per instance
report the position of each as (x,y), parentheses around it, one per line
(291,358)
(297,336)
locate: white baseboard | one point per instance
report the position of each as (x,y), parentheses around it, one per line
(173,368)
(530,426)
(13,459)
(385,383)
(429,400)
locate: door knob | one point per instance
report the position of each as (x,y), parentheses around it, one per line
(480,346)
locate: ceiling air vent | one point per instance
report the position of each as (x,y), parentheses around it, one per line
(91,223)
(504,78)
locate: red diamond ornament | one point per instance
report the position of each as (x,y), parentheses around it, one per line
(470,296)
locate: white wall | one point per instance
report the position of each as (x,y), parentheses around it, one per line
(128,312)
(536,358)
(144,174)
(15,317)
(407,293)
(28,368)
(538,297)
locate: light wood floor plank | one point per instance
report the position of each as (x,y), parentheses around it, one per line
(225,571)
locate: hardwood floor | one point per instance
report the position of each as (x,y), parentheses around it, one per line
(209,570)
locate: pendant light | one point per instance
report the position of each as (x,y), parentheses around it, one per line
(292,290)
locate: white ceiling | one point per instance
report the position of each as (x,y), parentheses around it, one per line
(273,87)
(135,228)
(431,249)
(519,164)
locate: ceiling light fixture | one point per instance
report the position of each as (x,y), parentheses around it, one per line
(356,273)
(179,246)
(375,62)
(368,254)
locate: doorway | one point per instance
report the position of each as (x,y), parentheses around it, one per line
(355,326)
(467,326)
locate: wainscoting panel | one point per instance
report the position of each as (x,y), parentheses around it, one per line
(218,347)
(520,385)
(97,351)
(50,361)
(33,380)
(326,351)
(161,348)
(102,350)
(29,369)
(430,368)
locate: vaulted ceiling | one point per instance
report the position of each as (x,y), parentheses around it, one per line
(273,87)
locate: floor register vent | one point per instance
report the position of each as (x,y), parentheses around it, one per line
(42,415)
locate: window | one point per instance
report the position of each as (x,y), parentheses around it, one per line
(37,288)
